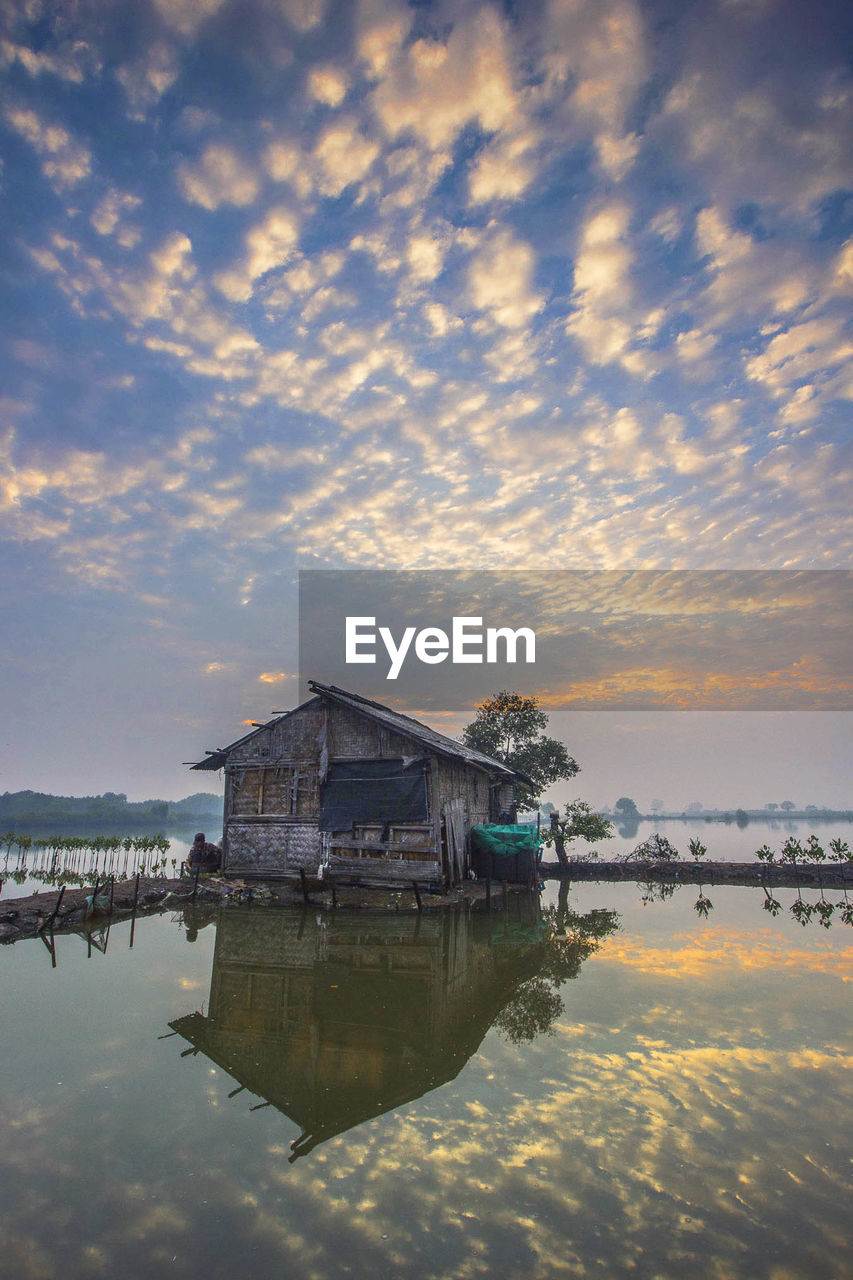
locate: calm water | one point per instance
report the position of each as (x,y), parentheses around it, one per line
(20,873)
(725,842)
(563,1092)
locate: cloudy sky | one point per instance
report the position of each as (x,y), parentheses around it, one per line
(542,284)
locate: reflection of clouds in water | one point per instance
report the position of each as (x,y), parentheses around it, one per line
(690,1130)
(632,1159)
(703,953)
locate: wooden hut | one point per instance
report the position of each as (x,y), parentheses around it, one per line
(347,788)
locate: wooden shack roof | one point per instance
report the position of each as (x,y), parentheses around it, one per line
(430,739)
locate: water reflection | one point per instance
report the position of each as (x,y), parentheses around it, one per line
(337,1018)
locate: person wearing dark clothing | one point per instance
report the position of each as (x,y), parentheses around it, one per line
(203,854)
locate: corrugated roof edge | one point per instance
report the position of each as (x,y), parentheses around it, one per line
(377,711)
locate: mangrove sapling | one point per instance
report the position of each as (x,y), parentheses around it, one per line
(801,911)
(840,850)
(824,911)
(792,851)
(654,892)
(703,905)
(771,904)
(697,849)
(814,850)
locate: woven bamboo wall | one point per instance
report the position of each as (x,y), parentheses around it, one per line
(271,848)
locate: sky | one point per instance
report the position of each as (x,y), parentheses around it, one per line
(286,284)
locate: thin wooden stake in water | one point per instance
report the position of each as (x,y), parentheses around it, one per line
(133,917)
(49,921)
(51,946)
(305,897)
(488,893)
(417,895)
(195,883)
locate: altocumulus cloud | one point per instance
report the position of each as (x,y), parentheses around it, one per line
(441,284)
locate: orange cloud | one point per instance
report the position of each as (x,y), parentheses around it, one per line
(680,689)
(700,955)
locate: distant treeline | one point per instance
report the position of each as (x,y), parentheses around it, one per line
(34,808)
(809,814)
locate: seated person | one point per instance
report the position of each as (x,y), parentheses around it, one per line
(203,854)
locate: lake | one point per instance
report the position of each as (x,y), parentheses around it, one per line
(725,842)
(28,872)
(603,1086)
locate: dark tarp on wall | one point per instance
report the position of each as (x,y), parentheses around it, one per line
(373,791)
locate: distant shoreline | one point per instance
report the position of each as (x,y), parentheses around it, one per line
(80,823)
(753,815)
(29,810)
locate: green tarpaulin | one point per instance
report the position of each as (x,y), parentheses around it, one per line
(504,841)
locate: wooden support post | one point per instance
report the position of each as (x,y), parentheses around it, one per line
(304,883)
(488,892)
(505,901)
(50,919)
(51,946)
(417,895)
(334,896)
(195,882)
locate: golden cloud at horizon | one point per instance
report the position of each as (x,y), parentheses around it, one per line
(705,953)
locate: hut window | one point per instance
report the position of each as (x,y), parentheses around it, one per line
(291,791)
(277,790)
(373,791)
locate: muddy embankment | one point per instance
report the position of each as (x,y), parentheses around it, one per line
(72,910)
(833,875)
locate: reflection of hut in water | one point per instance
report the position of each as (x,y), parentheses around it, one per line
(336,1020)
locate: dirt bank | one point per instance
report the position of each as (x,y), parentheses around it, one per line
(833,875)
(48,913)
